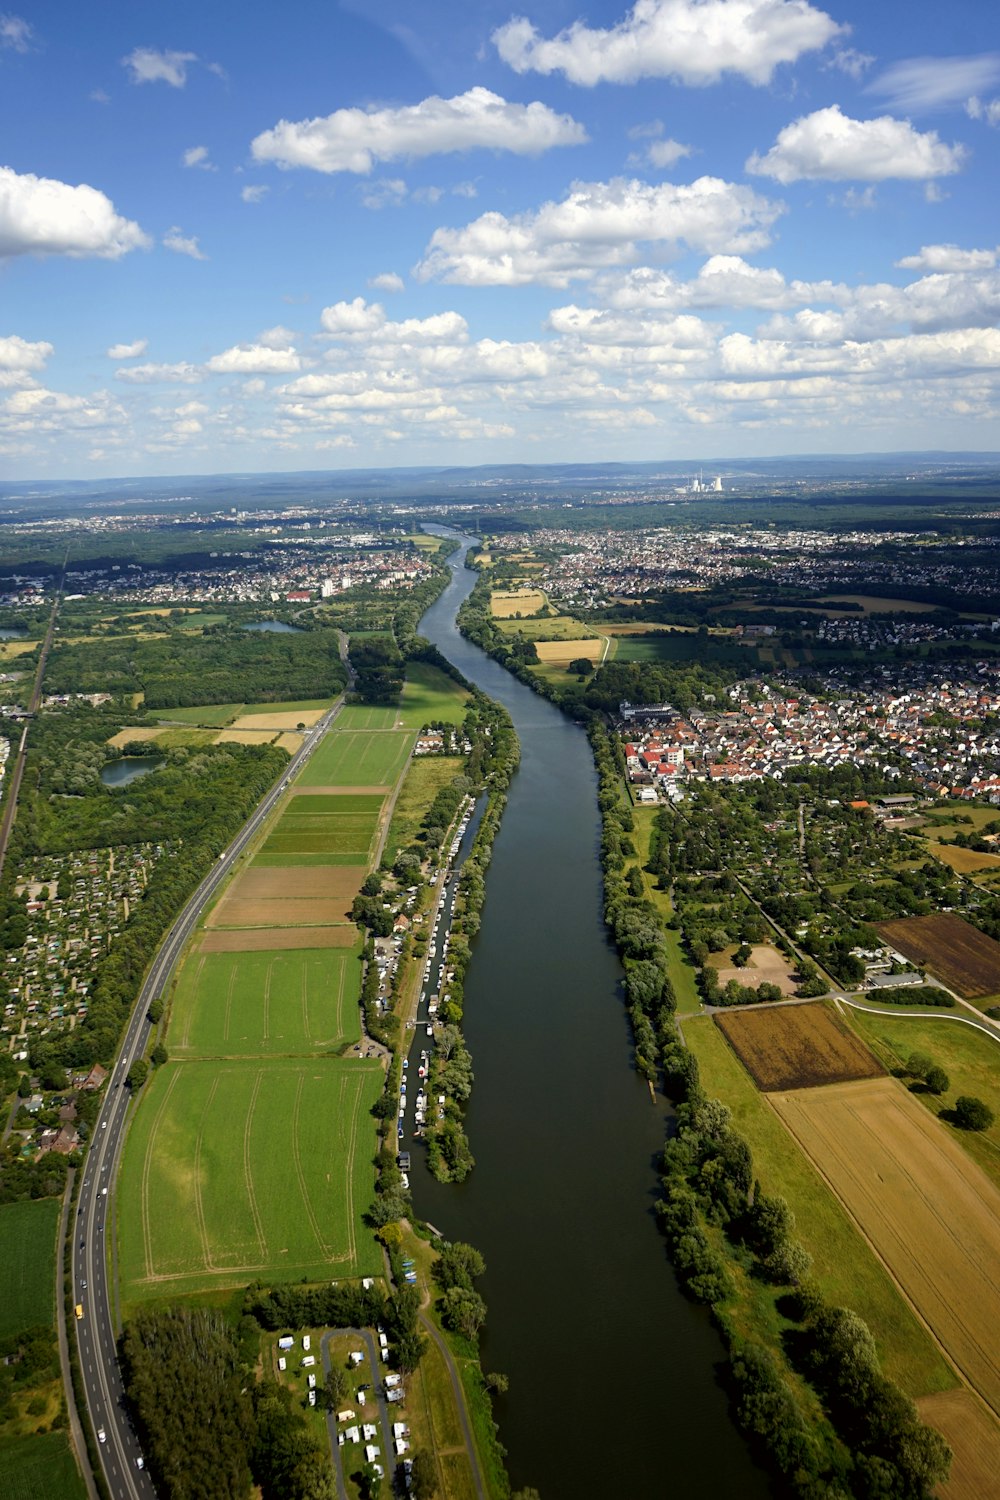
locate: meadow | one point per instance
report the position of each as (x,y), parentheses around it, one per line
(240,1169)
(357,758)
(41,1467)
(428,694)
(424,779)
(265,1004)
(324,826)
(28,1264)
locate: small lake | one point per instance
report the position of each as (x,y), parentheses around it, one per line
(274,627)
(12,635)
(130,768)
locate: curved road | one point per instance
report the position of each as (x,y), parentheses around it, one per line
(93,1275)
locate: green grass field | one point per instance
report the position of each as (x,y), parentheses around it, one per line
(554,628)
(347,835)
(40,1468)
(354,758)
(424,779)
(357,716)
(28,1264)
(211,715)
(971,1060)
(644,648)
(300,1001)
(235,1170)
(430,694)
(845,1267)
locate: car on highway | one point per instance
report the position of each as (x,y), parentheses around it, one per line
(102,1436)
(140,1462)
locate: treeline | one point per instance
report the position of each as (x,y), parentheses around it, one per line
(719,1224)
(225,664)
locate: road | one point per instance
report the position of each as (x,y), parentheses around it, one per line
(93,1282)
(17,771)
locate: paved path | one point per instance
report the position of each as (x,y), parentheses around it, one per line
(460,1403)
(387,1457)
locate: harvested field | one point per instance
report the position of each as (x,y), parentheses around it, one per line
(279,938)
(765,965)
(928,1210)
(559,652)
(237,736)
(139,732)
(377,792)
(290,742)
(295,882)
(521,601)
(965,861)
(957,953)
(274,722)
(879,604)
(973,1437)
(796,1046)
(234,912)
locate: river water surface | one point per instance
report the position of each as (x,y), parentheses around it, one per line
(613,1388)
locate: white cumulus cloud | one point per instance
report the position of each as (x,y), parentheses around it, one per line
(386,281)
(128,351)
(830,145)
(599,224)
(22,356)
(197,156)
(254,359)
(147,65)
(353,140)
(358,316)
(183,244)
(254,193)
(693,41)
(181,373)
(42,216)
(948,258)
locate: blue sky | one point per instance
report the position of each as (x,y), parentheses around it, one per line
(374,233)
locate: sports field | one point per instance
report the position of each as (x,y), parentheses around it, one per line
(927,1209)
(240,1169)
(28,1264)
(358,757)
(265,1004)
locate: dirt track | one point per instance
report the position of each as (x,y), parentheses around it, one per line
(929,1211)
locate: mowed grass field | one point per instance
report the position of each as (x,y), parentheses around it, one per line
(927,1209)
(241,1169)
(344,827)
(428,694)
(358,758)
(40,1468)
(265,1004)
(28,1264)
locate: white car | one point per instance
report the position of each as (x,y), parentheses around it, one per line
(102,1436)
(140,1462)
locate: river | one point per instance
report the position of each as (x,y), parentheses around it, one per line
(613,1373)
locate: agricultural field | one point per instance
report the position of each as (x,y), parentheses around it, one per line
(28,1264)
(970,1059)
(505,606)
(328,825)
(41,1467)
(549,628)
(208,716)
(559,653)
(964,861)
(927,1209)
(357,716)
(876,604)
(276,720)
(429,694)
(646,648)
(974,1438)
(270,939)
(265,1004)
(796,1046)
(844,1264)
(355,758)
(958,954)
(765,965)
(240,1169)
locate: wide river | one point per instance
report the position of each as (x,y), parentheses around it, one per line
(613,1374)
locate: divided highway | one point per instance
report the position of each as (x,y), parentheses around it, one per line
(92,1259)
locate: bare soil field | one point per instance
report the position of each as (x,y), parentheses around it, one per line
(260,939)
(973,1437)
(292,882)
(523,601)
(956,952)
(274,722)
(930,1213)
(233,911)
(559,652)
(796,1047)
(765,965)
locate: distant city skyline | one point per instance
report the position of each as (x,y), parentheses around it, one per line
(686,230)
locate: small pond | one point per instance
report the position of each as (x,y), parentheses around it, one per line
(274,627)
(130,768)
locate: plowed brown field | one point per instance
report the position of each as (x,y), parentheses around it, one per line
(261,939)
(796,1046)
(234,912)
(963,957)
(297,882)
(973,1437)
(931,1214)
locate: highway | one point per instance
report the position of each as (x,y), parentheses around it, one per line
(92,1262)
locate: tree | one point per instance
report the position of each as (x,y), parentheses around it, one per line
(581,666)
(972,1113)
(497,1382)
(918,1064)
(937,1080)
(155,1011)
(159,1055)
(458,1265)
(137,1073)
(463,1311)
(423,1476)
